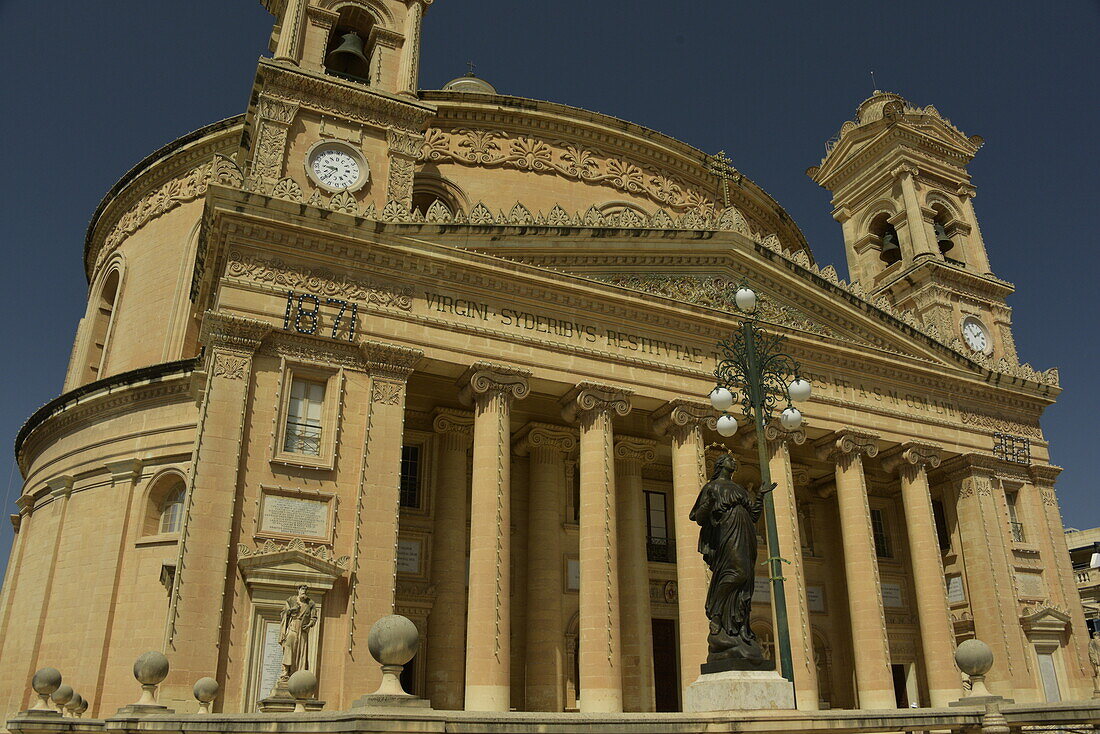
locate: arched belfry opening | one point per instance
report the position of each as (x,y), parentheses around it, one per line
(887,237)
(350,46)
(941,222)
(99,329)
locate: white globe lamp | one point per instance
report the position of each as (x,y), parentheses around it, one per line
(745,298)
(799,390)
(790,418)
(727,426)
(721,399)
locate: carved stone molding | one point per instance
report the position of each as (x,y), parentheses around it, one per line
(589,399)
(387,392)
(276,115)
(314,349)
(390,360)
(636,450)
(230,366)
(485,380)
(905,169)
(680,416)
(455,426)
(913,455)
(227,332)
(126,470)
(1044,475)
(547,437)
(401,142)
(846,444)
(987,466)
(60,486)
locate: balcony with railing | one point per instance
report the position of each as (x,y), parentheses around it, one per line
(302,438)
(661,550)
(1087,576)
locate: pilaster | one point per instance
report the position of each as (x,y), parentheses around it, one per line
(273,123)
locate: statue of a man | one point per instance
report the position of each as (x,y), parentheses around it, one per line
(298,615)
(727,514)
(1094,654)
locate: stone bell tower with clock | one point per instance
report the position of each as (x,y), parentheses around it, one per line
(334,114)
(902,194)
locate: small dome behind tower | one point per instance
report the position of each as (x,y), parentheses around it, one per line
(468,82)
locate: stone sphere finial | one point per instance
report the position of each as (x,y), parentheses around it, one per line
(62,695)
(205,691)
(303,686)
(974,657)
(151,668)
(44,683)
(83,707)
(74,705)
(393,640)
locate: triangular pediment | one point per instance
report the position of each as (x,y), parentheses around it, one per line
(289,563)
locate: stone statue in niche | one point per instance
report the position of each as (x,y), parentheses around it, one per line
(298,616)
(1094,658)
(727,513)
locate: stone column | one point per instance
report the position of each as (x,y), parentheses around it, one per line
(547,447)
(593,406)
(1060,580)
(976,255)
(790,549)
(410,50)
(989,575)
(197,601)
(491,389)
(684,421)
(374,562)
(447,622)
(636,620)
(290,32)
(937,634)
(919,234)
(874,681)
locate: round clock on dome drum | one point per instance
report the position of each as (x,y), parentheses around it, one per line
(336,166)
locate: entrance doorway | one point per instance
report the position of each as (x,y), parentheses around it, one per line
(666,663)
(905,685)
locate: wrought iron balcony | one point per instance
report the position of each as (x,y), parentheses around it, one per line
(302,438)
(661,550)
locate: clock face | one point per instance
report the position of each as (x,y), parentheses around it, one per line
(335,169)
(975,335)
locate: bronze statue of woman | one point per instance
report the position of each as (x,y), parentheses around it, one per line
(727,514)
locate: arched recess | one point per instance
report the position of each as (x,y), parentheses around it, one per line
(611,208)
(162,513)
(429,187)
(875,213)
(361,18)
(823,664)
(93,350)
(946,226)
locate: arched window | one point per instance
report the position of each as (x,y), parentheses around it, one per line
(99,329)
(171,511)
(940,223)
(431,189)
(350,48)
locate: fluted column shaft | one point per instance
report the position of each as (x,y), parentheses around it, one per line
(410,51)
(592,405)
(631,454)
(936,632)
(874,681)
(684,421)
(547,447)
(790,549)
(447,622)
(491,388)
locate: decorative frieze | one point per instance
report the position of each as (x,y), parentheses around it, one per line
(228,332)
(390,360)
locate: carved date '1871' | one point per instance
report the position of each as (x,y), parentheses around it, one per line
(303,314)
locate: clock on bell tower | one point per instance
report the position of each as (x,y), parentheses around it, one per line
(903,195)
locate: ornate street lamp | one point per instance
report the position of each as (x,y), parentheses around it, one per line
(752,364)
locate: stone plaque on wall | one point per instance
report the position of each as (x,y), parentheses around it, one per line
(891,596)
(572,574)
(955,592)
(271,660)
(301,517)
(815,598)
(408,556)
(761,591)
(1030,583)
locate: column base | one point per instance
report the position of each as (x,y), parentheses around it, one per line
(739,690)
(601,701)
(487,698)
(285,704)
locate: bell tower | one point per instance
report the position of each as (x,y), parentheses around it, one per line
(335,113)
(903,195)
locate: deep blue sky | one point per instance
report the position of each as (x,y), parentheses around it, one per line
(90,88)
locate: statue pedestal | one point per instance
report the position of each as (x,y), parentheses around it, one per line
(739,690)
(280,701)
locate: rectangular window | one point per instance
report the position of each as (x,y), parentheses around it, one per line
(882,538)
(1014,520)
(658,545)
(410,476)
(303,417)
(940,516)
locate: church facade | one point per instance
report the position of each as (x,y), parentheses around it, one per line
(445,354)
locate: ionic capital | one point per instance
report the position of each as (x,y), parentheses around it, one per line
(545,436)
(777,436)
(640,450)
(680,416)
(226,332)
(590,399)
(913,456)
(966,191)
(846,444)
(905,169)
(483,381)
(392,361)
(454,425)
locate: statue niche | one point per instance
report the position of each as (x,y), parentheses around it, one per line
(727,513)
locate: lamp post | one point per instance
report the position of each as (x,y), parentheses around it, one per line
(751,363)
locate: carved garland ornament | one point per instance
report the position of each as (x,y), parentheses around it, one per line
(321,552)
(498,148)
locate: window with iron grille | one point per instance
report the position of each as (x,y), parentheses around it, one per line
(410,476)
(1016,449)
(303,417)
(658,545)
(1013,518)
(882,538)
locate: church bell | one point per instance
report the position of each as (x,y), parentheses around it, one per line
(942,239)
(890,253)
(351,47)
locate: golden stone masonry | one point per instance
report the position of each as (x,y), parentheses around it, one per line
(443,354)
